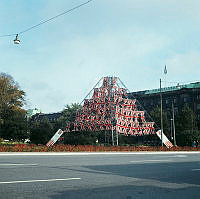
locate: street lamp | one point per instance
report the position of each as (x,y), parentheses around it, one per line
(171,128)
(161,112)
(16,40)
(174,131)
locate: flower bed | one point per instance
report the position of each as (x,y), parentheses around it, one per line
(87,148)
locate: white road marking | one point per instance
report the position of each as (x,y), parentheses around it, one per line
(149,161)
(180,156)
(195,169)
(18,164)
(176,156)
(48,180)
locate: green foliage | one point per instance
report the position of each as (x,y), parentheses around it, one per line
(81,138)
(186,120)
(10,94)
(41,132)
(14,126)
(186,138)
(67,115)
(155,114)
(13,123)
(186,127)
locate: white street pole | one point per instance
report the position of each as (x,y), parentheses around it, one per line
(173,124)
(112,137)
(161,113)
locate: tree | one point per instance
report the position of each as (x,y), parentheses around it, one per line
(68,115)
(155,114)
(12,116)
(15,126)
(187,137)
(186,119)
(186,127)
(75,138)
(10,94)
(41,131)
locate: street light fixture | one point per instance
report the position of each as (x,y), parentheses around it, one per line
(16,40)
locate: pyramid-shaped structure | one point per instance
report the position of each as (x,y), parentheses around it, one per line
(109,108)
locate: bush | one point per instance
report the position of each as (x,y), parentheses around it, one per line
(186,138)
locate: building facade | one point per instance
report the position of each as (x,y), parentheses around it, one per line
(177,95)
(51,117)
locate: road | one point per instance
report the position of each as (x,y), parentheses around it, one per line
(100,175)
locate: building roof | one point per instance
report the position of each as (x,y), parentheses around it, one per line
(169,89)
(49,116)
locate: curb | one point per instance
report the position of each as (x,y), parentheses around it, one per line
(94,153)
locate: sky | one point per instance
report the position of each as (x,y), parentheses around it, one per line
(59,62)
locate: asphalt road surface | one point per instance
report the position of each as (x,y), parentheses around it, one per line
(96,175)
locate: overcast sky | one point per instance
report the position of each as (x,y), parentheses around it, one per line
(58,63)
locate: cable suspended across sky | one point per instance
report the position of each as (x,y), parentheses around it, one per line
(43,22)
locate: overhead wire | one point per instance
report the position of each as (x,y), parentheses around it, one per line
(9,35)
(47,20)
